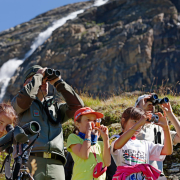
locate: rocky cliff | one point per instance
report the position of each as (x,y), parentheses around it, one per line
(119,46)
(122,45)
(16,41)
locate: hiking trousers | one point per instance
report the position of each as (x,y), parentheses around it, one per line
(47,169)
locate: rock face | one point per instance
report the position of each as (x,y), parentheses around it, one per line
(119,46)
(172,164)
(16,41)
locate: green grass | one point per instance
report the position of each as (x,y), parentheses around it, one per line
(112,109)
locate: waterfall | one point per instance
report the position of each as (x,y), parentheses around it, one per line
(8,68)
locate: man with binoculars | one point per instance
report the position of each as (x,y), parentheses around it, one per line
(31,104)
(153,132)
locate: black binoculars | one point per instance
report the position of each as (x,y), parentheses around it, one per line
(51,74)
(155,100)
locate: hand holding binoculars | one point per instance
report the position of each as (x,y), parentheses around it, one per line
(96,124)
(51,74)
(154,118)
(98,121)
(155,100)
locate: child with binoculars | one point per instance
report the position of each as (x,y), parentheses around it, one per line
(131,155)
(154,133)
(91,157)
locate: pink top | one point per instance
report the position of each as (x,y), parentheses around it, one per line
(148,170)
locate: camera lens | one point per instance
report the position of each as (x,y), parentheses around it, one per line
(34,127)
(31,128)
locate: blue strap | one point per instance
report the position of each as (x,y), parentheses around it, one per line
(87,140)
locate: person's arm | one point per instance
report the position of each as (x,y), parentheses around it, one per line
(23,100)
(124,138)
(83,150)
(167,108)
(167,149)
(103,130)
(73,101)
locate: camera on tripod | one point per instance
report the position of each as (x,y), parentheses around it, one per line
(155,100)
(19,136)
(51,74)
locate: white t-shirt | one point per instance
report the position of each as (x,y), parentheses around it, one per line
(136,152)
(148,133)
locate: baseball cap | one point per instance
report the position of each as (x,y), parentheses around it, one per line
(86,110)
(31,71)
(141,97)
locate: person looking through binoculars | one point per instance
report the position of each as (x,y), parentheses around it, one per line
(151,131)
(32,104)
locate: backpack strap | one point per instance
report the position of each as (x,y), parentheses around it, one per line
(157,136)
(94,152)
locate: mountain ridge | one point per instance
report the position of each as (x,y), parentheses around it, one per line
(119,46)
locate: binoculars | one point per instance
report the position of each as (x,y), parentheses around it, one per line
(52,74)
(154,118)
(98,121)
(155,100)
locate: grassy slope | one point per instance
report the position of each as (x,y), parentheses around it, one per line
(112,109)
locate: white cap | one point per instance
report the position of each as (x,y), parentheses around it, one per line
(141,97)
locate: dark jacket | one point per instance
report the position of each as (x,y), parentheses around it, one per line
(29,108)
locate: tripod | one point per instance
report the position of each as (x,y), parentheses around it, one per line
(24,175)
(18,135)
(20,169)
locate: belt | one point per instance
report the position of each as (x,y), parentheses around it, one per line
(47,155)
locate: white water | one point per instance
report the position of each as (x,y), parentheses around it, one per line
(100,2)
(8,69)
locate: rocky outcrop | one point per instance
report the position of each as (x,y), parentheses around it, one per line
(16,41)
(122,45)
(177,4)
(172,164)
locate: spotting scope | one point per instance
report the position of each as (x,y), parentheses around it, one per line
(19,134)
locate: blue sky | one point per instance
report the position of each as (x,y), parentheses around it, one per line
(14,12)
